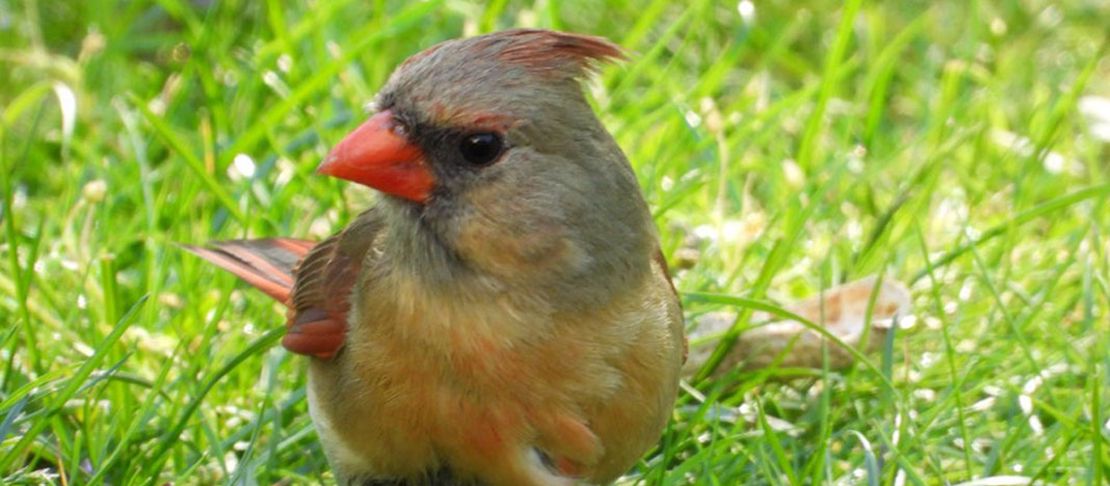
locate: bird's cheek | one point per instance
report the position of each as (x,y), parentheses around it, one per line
(518,255)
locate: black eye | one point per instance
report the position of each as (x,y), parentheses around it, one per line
(481,148)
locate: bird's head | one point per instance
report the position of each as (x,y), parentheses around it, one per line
(491,158)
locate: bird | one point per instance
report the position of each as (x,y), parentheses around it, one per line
(503,313)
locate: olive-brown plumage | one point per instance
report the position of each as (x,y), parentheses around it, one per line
(502,315)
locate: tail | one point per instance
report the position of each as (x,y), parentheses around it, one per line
(266,264)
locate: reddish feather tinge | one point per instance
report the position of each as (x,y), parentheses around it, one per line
(313,280)
(272,265)
(265,264)
(568,54)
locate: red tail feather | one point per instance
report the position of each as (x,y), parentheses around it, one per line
(266,264)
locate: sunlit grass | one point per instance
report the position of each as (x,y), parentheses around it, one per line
(785,147)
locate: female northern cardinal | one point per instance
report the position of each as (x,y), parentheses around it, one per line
(503,316)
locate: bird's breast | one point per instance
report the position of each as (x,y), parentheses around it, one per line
(488,385)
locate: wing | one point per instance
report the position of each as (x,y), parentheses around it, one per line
(322,290)
(313,280)
(680,326)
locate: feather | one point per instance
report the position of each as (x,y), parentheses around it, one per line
(313,280)
(544,50)
(265,264)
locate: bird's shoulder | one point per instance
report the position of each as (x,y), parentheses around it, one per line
(323,282)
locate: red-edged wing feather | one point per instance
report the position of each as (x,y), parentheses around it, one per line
(321,294)
(313,280)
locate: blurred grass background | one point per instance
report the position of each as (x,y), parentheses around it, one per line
(785,146)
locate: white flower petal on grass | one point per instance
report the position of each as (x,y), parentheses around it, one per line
(982,405)
(747,11)
(242,167)
(274,81)
(285,63)
(1096,109)
(693,119)
(67,102)
(1053,162)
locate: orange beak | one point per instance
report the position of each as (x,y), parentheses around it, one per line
(377,154)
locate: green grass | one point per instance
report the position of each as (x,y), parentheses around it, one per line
(939,143)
